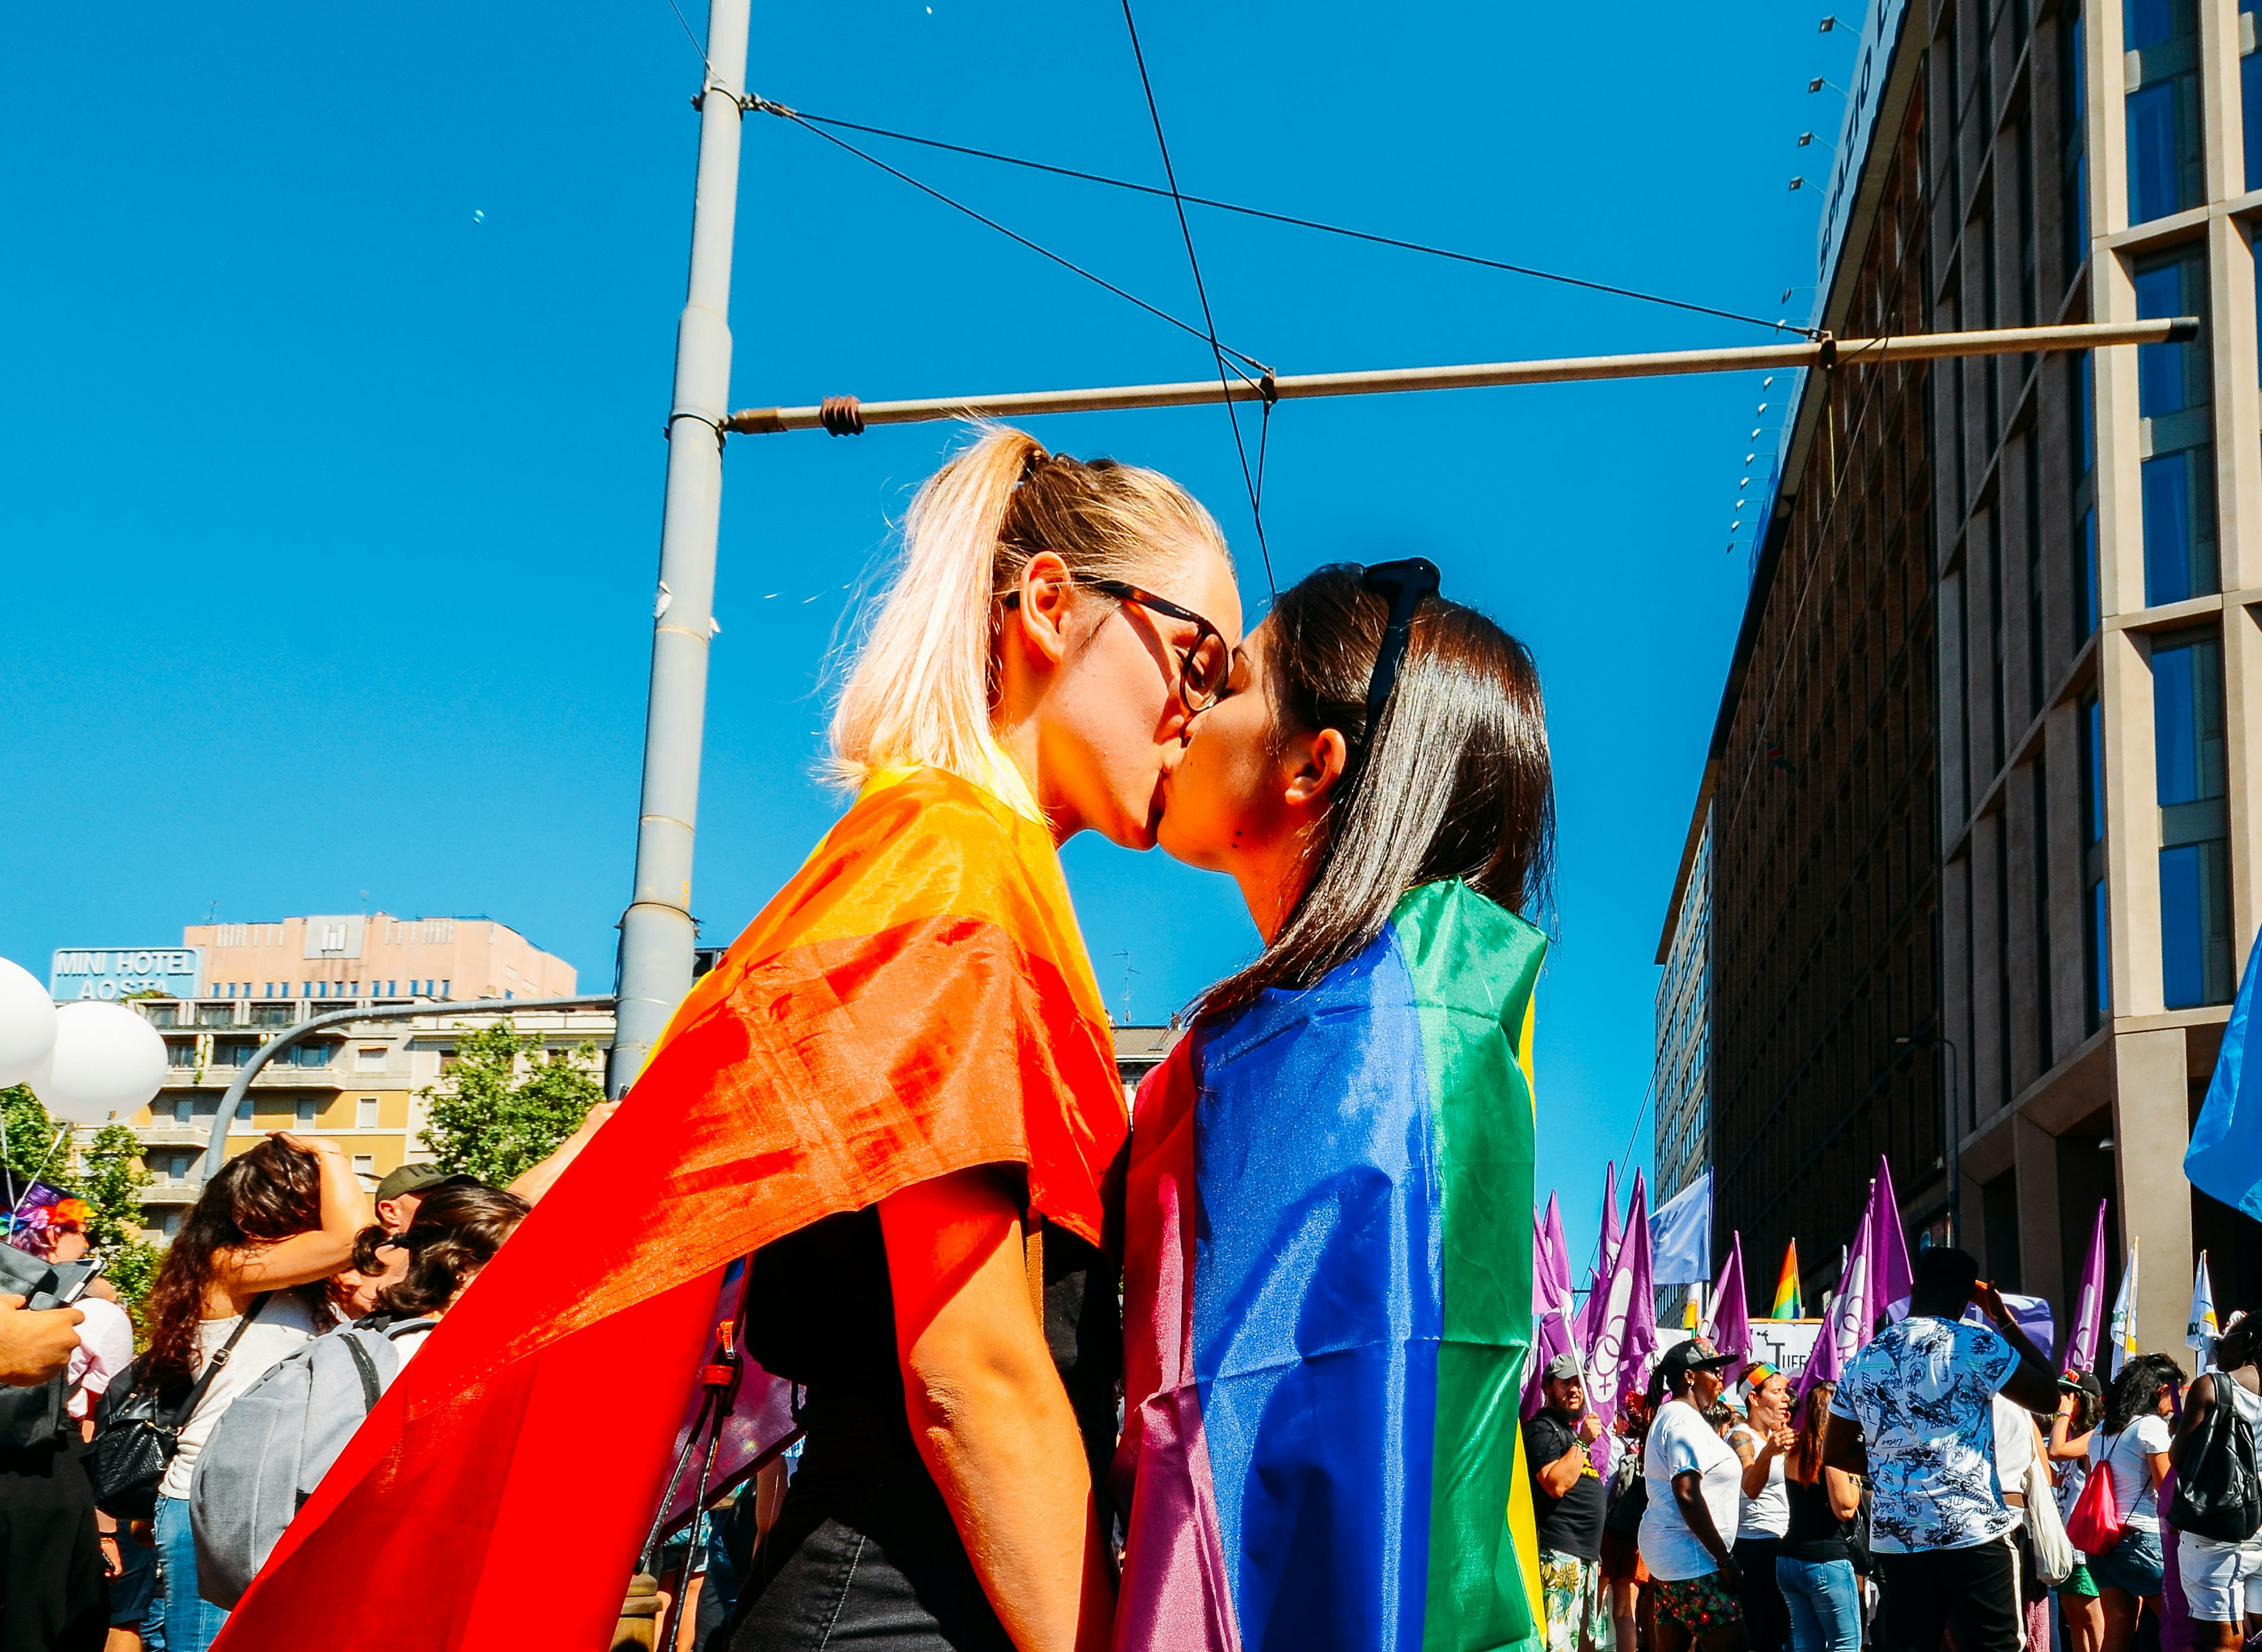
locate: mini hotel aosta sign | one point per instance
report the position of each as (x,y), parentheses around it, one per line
(115,971)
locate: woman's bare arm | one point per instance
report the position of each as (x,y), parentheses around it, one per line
(987,1409)
(1845,1493)
(303,1258)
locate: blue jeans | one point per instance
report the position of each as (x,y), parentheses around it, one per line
(1825,1601)
(180,1619)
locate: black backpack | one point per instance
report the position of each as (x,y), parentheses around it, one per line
(2218,1491)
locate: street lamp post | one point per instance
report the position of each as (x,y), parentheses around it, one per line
(1953,1146)
(657,933)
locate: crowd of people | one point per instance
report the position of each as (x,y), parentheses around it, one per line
(1927,1498)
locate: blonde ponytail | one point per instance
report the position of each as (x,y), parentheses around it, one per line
(920,694)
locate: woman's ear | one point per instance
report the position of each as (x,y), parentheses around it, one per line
(1315,763)
(1042,601)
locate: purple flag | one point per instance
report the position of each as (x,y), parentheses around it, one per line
(1891,1276)
(1550,1274)
(1587,1324)
(1731,1326)
(1846,1326)
(1626,1335)
(2089,1309)
(1612,1233)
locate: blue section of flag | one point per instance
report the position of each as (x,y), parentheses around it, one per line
(1315,1331)
(2225,1155)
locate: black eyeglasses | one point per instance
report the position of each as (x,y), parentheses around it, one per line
(1203,663)
(1405,583)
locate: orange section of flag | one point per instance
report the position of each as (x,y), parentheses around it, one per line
(916,1001)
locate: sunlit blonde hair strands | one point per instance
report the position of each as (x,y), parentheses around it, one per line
(922,692)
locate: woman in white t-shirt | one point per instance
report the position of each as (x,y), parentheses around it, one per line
(244,1275)
(1696,1495)
(2133,1445)
(2222,1579)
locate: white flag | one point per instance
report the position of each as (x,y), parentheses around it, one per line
(2122,1329)
(2203,1331)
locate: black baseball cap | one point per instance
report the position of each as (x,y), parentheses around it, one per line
(1695,1354)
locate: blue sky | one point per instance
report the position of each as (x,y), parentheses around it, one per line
(339,345)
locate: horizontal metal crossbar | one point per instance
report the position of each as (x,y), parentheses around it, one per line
(845,416)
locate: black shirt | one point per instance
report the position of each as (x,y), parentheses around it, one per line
(820,1312)
(1816,1535)
(1573,1523)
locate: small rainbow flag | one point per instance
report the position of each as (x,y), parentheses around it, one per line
(1787,1302)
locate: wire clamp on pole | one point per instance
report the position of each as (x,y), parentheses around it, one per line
(667,430)
(1828,360)
(1269,387)
(841,416)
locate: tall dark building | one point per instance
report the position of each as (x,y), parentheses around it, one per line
(1982,790)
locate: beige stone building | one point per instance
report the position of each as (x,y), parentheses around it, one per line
(375,955)
(356,1083)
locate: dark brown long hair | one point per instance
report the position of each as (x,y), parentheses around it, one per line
(1455,783)
(1805,1464)
(458,1228)
(258,1198)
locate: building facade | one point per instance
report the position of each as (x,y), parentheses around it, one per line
(358,1083)
(374,955)
(1984,785)
(1681,1084)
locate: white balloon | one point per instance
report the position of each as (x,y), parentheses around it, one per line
(107,1059)
(27,1024)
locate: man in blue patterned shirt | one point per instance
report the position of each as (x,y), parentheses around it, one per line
(1914,1412)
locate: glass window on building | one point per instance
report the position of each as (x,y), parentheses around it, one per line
(2161,38)
(232,1051)
(2174,393)
(180,1052)
(2096,934)
(2187,734)
(314,1054)
(2250,93)
(2082,403)
(365,1113)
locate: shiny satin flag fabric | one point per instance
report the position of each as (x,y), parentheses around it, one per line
(1328,1307)
(916,1002)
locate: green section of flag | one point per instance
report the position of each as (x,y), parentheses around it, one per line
(1473,966)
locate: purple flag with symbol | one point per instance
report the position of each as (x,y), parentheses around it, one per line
(1846,1326)
(1625,1336)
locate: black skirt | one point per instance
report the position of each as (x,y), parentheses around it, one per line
(52,1595)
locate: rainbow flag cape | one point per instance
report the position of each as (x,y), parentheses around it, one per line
(1787,1302)
(916,1001)
(1328,1301)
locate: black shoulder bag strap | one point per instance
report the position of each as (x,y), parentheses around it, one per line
(187,1409)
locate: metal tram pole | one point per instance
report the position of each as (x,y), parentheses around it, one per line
(845,416)
(232,1102)
(657,933)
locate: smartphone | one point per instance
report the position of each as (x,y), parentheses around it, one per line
(76,1289)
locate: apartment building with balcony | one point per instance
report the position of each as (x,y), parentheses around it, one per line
(356,1083)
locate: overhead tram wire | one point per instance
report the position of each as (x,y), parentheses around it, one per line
(1201,291)
(803,117)
(1014,235)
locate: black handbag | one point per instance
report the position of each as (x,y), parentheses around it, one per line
(137,1430)
(2218,1492)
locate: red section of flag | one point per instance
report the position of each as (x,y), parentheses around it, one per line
(916,1002)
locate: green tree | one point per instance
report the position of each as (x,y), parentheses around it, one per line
(107,1173)
(31,1136)
(492,1117)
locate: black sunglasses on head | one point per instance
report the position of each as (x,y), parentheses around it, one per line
(1405,583)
